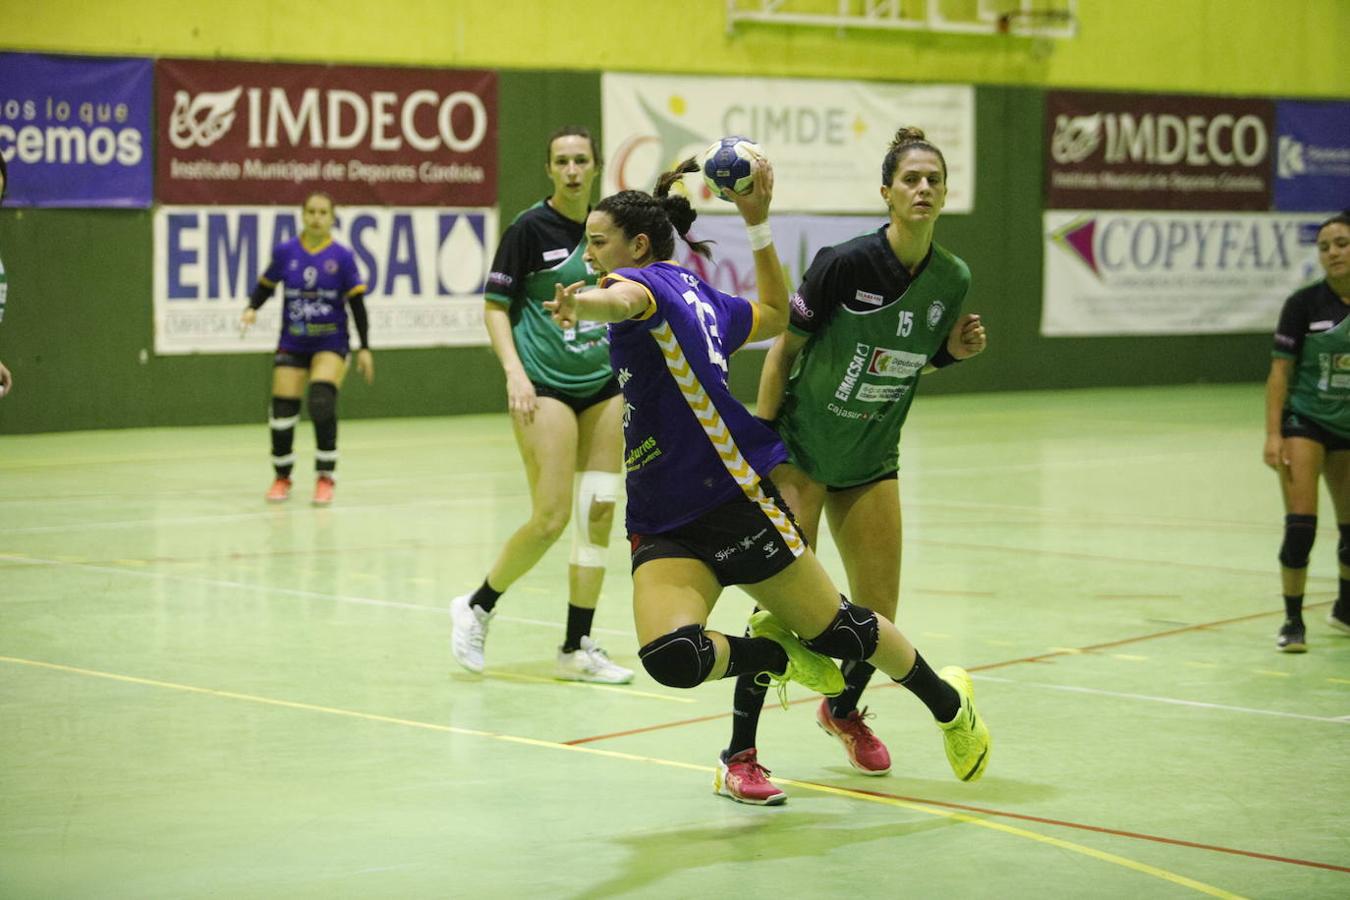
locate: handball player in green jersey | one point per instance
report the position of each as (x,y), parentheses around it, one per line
(870,315)
(565,411)
(1308,425)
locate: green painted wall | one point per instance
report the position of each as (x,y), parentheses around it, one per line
(81,280)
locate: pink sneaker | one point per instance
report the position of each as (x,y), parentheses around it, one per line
(744,780)
(865,750)
(280,491)
(323,491)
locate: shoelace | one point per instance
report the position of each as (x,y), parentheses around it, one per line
(862,731)
(754,770)
(770,680)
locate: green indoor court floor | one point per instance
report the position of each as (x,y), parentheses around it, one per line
(202,695)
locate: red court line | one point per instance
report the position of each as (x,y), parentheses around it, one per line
(983,668)
(1097,828)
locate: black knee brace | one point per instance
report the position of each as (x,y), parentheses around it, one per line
(1343,548)
(682,659)
(852,634)
(1299,534)
(322,401)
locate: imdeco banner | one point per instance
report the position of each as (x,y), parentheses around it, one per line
(424,268)
(237,132)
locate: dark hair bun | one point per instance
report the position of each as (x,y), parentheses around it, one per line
(907,134)
(681,214)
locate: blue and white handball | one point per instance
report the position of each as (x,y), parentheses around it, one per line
(727,166)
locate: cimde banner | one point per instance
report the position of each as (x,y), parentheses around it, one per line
(240,133)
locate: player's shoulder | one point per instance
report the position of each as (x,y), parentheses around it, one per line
(950,264)
(533,216)
(1309,295)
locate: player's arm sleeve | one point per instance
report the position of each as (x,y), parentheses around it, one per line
(742,321)
(810,306)
(647,317)
(267,281)
(1291,329)
(510,266)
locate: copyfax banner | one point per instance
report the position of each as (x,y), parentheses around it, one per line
(238,132)
(826,138)
(424,268)
(1135,273)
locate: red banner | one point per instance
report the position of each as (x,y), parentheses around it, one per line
(239,133)
(1157,151)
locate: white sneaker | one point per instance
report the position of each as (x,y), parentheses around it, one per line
(590,663)
(469,625)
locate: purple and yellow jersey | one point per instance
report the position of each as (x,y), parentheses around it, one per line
(316,285)
(689,445)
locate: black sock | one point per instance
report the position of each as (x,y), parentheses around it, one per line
(746,704)
(578,626)
(750,656)
(856,676)
(285,413)
(1293,608)
(485,597)
(1343,597)
(940,697)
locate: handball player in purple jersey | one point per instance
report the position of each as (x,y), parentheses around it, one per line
(702,513)
(319,280)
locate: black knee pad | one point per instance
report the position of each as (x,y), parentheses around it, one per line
(852,634)
(322,401)
(1299,534)
(1343,548)
(682,659)
(285,408)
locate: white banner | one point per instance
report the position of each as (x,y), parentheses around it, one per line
(826,138)
(1163,273)
(424,268)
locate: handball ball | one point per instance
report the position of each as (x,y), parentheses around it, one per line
(726,166)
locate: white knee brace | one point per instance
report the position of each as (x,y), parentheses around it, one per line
(590,488)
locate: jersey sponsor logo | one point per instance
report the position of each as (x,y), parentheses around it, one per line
(851,414)
(555,255)
(1324,325)
(500,280)
(641,454)
(800,307)
(895,363)
(1340,362)
(851,374)
(935,311)
(881,393)
(330,265)
(869,298)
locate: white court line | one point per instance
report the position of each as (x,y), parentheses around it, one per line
(240,517)
(289,592)
(1340,720)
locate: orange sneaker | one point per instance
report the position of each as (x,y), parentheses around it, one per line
(280,491)
(323,491)
(866,752)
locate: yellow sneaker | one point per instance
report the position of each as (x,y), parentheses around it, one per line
(966,736)
(805,666)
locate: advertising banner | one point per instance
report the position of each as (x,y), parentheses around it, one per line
(424,268)
(75,131)
(1312,169)
(240,133)
(1158,151)
(1116,273)
(826,138)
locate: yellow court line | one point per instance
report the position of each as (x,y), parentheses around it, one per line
(1102,856)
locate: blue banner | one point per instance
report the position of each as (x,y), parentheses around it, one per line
(75,130)
(1312,166)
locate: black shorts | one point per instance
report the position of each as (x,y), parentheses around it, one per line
(579,405)
(892,475)
(294,360)
(737,540)
(1293,424)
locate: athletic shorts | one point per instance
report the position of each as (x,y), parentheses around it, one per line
(579,405)
(1294,424)
(301,360)
(736,540)
(892,475)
